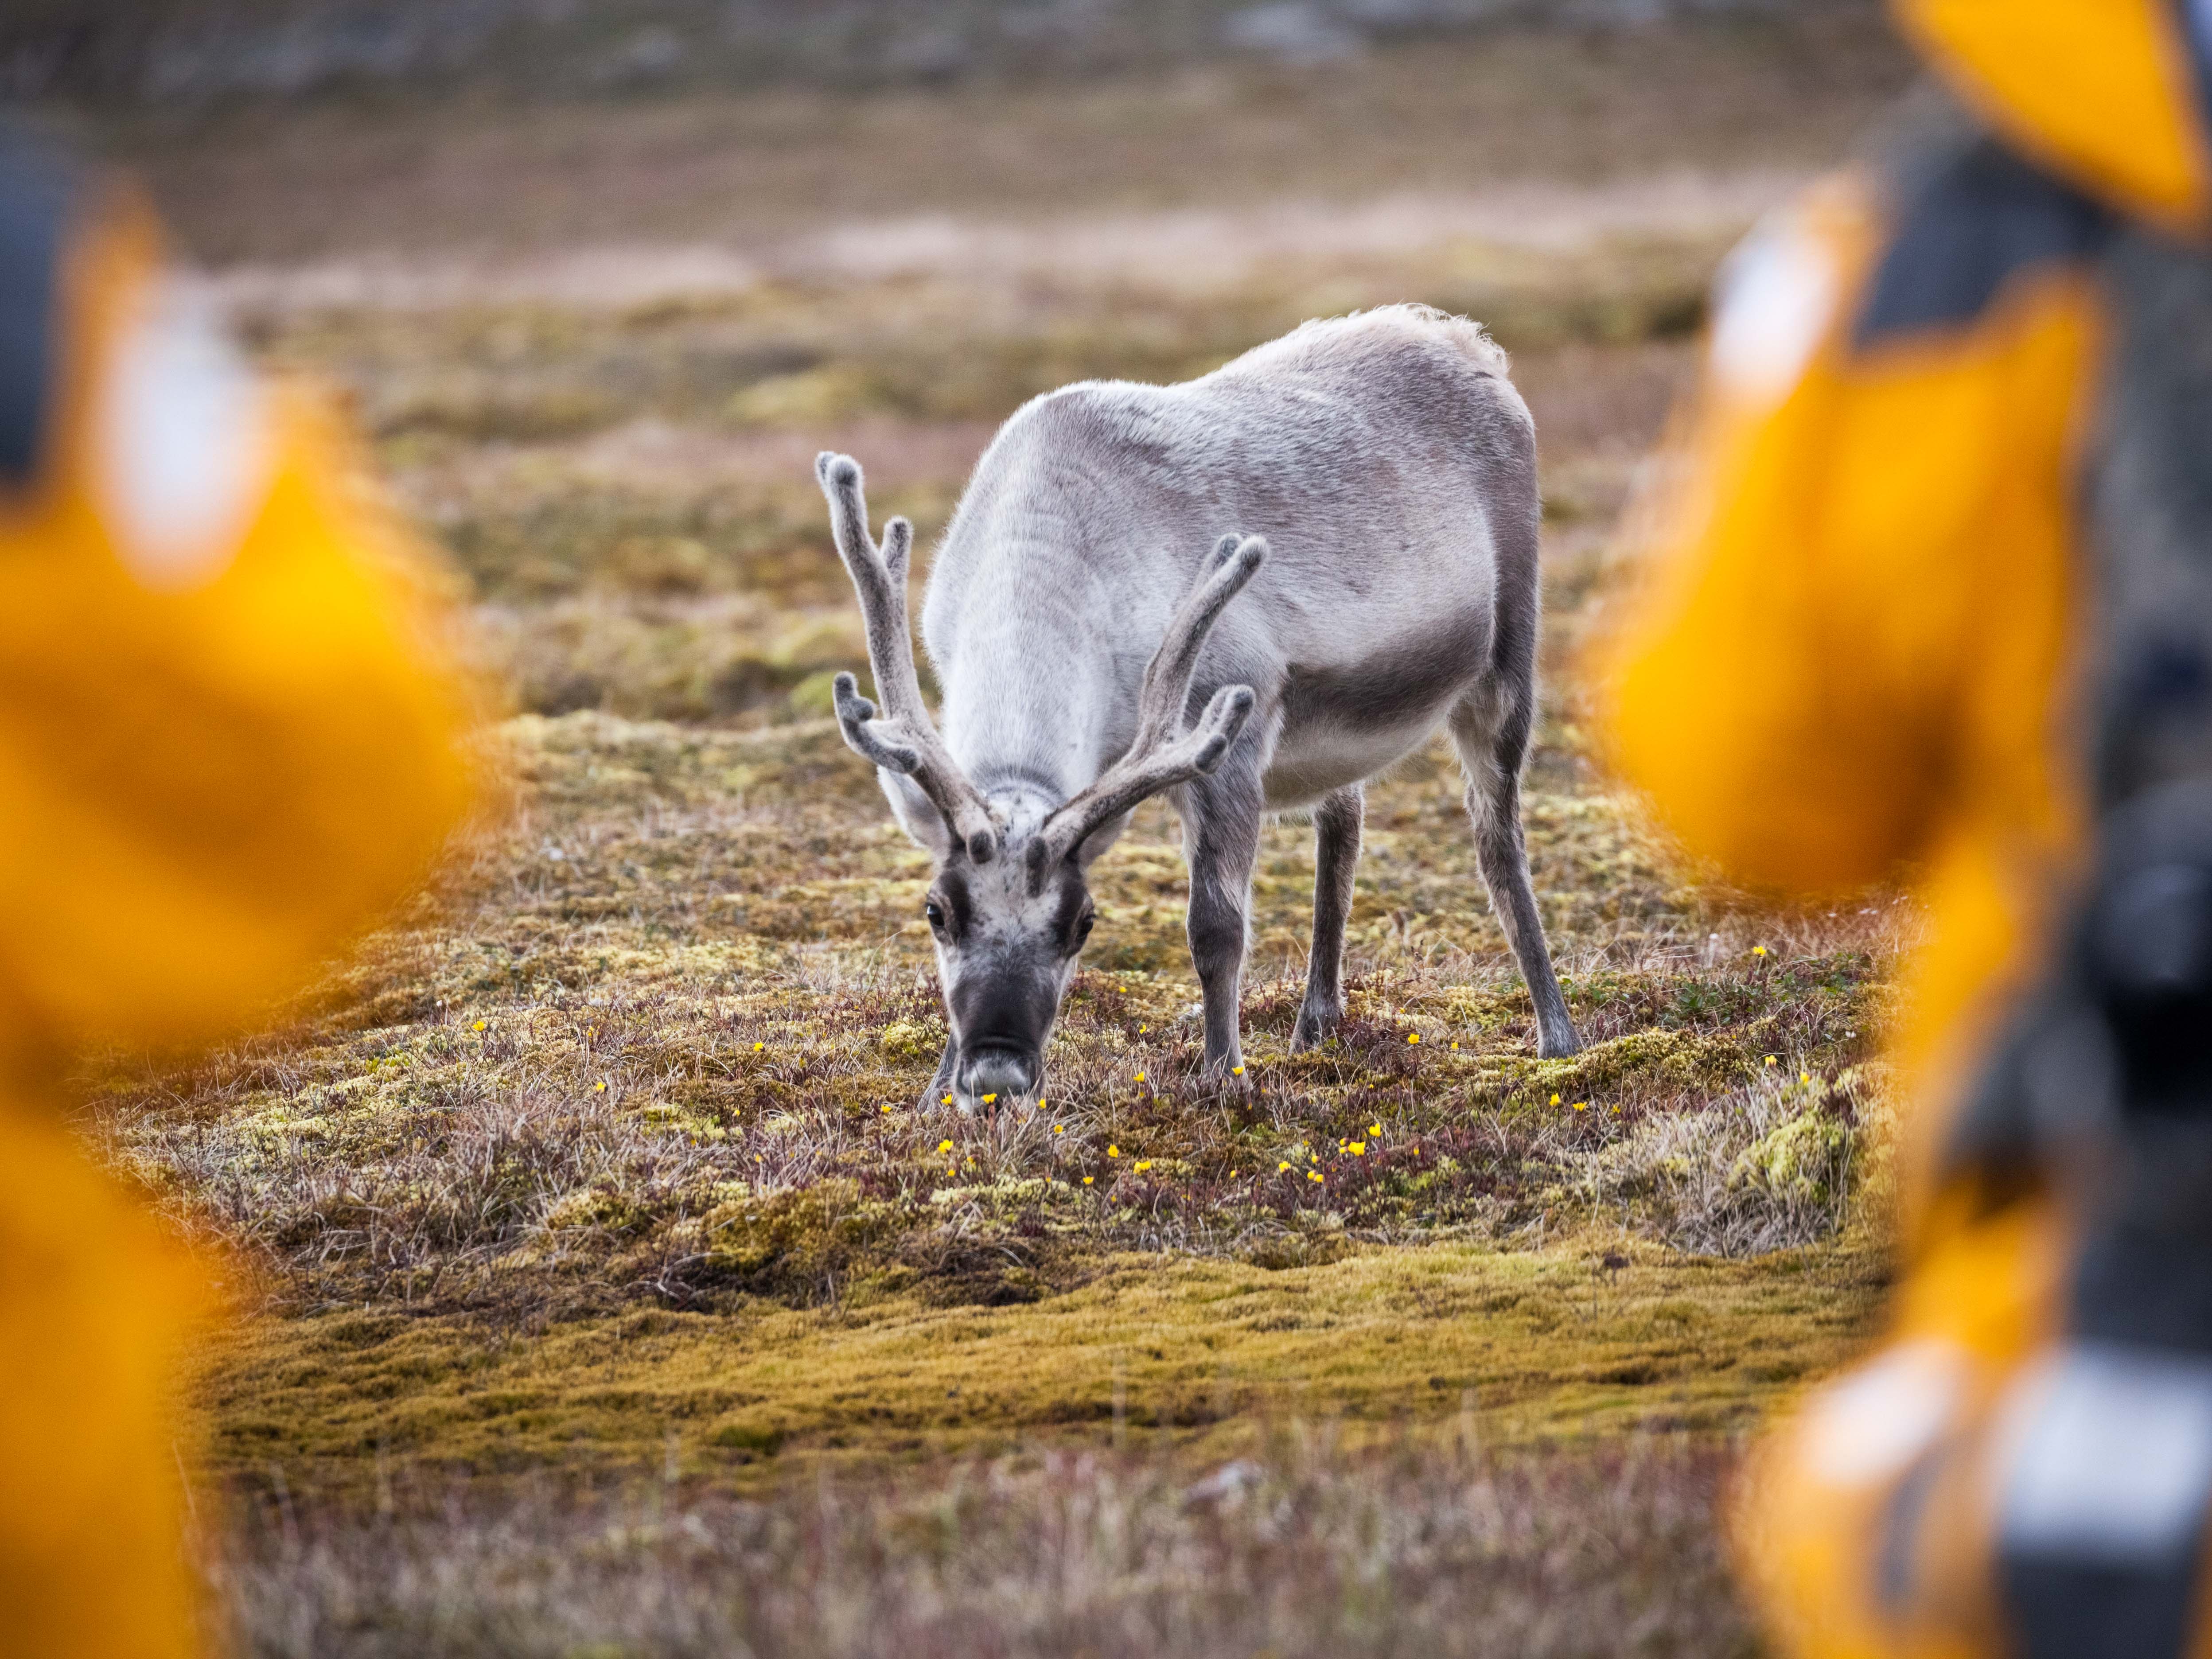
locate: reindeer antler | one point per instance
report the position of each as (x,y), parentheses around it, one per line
(901,737)
(1163,754)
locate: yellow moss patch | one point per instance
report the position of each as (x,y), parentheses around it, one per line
(1547,1343)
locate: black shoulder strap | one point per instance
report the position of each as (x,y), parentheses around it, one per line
(36,194)
(2149,502)
(1970,214)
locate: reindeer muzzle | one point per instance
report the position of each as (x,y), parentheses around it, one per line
(1008,1072)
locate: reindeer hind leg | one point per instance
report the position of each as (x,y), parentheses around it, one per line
(1491,736)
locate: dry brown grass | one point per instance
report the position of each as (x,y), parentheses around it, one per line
(1301,1550)
(662,1039)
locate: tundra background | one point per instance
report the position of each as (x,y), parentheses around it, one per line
(600,1291)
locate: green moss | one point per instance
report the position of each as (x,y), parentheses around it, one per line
(795,1239)
(1807,1158)
(1543,1343)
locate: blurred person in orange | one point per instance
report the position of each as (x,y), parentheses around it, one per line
(1933,593)
(228,741)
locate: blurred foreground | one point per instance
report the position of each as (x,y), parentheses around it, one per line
(1114,1554)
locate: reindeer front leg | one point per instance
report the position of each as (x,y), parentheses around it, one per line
(947,1069)
(1336,855)
(1221,844)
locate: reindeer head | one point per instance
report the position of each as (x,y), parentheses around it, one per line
(1009,906)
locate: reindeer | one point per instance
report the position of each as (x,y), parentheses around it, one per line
(1086,665)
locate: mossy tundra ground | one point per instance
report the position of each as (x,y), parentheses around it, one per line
(608,1291)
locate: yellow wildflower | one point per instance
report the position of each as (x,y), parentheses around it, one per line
(1282,1165)
(1759,949)
(1057,1130)
(1455,1047)
(1140,1076)
(1375,1132)
(1804,1077)
(601,1088)
(479,1025)
(1555,1100)
(757,1047)
(887,1111)
(944,1145)
(1770,1059)
(1087,1180)
(1313,1175)
(1413,1037)
(1582,1105)
(1112,1151)
(987,1099)
(1358,1149)
(1237,1071)
(1141,1029)
(1143,1163)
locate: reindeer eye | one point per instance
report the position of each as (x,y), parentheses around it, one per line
(935,913)
(1083,924)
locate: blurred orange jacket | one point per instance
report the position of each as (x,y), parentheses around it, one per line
(1859,655)
(228,741)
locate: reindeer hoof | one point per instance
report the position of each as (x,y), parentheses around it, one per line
(1317,1022)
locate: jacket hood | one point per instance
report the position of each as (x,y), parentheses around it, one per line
(2109,94)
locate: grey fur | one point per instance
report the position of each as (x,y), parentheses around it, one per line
(1162,754)
(1080,608)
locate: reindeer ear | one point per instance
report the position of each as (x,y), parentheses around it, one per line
(916,813)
